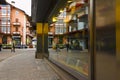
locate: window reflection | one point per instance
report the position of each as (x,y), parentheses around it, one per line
(73,43)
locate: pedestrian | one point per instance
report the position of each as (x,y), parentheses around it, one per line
(0,46)
(13,47)
(67,46)
(57,48)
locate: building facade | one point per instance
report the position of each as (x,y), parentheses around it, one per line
(5,24)
(14,26)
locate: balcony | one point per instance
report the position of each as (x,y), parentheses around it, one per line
(2,32)
(16,24)
(50,33)
(16,32)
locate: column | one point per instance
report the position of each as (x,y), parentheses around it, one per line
(46,54)
(118,30)
(39,46)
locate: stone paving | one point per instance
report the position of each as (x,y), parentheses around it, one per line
(22,65)
(5,53)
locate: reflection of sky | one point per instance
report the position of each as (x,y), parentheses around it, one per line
(24,5)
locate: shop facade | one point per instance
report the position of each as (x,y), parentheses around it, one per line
(71,27)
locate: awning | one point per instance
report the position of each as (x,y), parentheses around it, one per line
(44,10)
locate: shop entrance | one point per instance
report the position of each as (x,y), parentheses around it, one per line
(17,40)
(4,40)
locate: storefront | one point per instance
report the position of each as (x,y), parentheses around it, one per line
(17,40)
(96,24)
(77,35)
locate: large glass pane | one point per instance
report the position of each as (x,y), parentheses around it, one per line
(72,51)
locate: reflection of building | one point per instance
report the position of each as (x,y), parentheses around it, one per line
(71,25)
(14,25)
(77,24)
(57,29)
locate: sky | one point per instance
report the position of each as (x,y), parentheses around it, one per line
(24,5)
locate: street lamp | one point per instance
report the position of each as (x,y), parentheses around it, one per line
(12,2)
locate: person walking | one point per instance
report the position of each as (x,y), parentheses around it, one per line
(0,46)
(13,47)
(57,48)
(67,46)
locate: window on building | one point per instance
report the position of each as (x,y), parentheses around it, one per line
(8,19)
(17,12)
(64,29)
(3,29)
(4,11)
(8,12)
(3,19)
(8,29)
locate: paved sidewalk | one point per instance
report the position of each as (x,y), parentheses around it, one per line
(5,53)
(24,66)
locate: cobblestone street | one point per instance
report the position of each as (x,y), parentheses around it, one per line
(22,65)
(5,53)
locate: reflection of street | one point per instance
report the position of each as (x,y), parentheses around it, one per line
(75,59)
